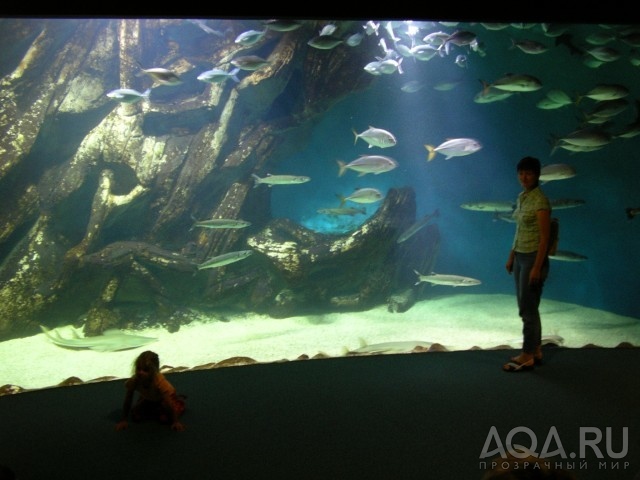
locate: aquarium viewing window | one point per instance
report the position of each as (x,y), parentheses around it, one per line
(235,191)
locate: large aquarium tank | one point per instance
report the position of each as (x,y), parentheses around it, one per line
(239,190)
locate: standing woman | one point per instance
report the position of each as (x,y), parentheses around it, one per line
(529,262)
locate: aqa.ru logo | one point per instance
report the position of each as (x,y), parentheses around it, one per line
(589,437)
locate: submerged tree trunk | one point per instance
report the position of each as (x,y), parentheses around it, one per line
(99,196)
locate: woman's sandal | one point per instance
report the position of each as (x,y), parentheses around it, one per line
(514,365)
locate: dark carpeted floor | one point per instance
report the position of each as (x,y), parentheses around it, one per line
(418,416)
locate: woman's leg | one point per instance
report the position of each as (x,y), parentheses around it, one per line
(528,303)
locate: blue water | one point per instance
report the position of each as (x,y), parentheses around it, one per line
(474,243)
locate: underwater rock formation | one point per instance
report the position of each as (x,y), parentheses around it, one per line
(84,177)
(354,271)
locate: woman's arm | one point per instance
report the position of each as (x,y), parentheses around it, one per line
(509,264)
(543,218)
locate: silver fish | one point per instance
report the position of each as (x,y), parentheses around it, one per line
(461,61)
(375,164)
(225,259)
(376,137)
(163,76)
(374,68)
(561,203)
(423,52)
(532,47)
(606,91)
(604,54)
(459,38)
(490,95)
(558,96)
(249,62)
(587,137)
(576,148)
(325,42)
(435,39)
(548,104)
(629,131)
(417,226)
(363,195)
(109,341)
(630,37)
(404,50)
(568,256)
(222,223)
(454,147)
(129,95)
(328,29)
(607,108)
(495,26)
(413,86)
(371,27)
(342,211)
(600,38)
(279,179)
(250,37)
(451,280)
(206,28)
(355,39)
(556,171)
(282,25)
(217,75)
(516,83)
(389,66)
(495,206)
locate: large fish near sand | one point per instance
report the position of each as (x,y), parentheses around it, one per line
(109,341)
(405,346)
(445,279)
